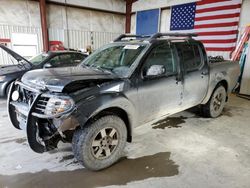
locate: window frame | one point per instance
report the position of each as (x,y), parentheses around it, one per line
(175,60)
(201,65)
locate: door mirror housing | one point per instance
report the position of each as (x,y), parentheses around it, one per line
(47,65)
(155,71)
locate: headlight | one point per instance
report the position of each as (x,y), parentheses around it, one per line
(57,105)
(2,78)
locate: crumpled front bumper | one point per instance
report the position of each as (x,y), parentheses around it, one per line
(20,111)
(23,110)
(22,115)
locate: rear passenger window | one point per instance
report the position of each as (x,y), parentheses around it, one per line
(189,55)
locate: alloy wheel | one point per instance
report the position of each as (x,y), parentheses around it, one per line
(105,143)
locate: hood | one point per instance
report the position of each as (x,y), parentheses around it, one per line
(65,79)
(10,69)
(15,55)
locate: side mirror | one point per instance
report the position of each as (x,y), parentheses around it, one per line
(155,71)
(47,65)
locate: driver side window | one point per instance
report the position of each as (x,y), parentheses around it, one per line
(161,55)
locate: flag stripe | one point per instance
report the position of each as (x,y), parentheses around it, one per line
(218,4)
(220,41)
(220,12)
(220,49)
(225,20)
(230,29)
(209,1)
(218,8)
(214,17)
(216,37)
(218,45)
(217,33)
(216,25)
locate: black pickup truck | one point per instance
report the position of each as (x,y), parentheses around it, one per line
(124,84)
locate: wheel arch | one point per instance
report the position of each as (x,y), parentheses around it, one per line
(223,83)
(121,113)
(212,88)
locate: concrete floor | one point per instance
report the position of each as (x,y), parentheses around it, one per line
(184,150)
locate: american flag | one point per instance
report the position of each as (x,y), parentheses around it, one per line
(215,21)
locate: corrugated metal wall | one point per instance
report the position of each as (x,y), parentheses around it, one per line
(6,32)
(76,39)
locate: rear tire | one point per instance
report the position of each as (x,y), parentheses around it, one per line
(216,103)
(100,144)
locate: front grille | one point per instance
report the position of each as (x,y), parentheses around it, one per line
(28,96)
(41,105)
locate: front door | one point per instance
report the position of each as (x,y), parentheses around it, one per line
(159,95)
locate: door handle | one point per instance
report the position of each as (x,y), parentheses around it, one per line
(204,73)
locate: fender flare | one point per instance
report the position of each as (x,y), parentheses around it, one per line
(117,101)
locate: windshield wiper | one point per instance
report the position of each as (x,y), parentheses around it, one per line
(102,69)
(99,68)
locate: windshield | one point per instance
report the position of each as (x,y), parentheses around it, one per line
(38,59)
(115,58)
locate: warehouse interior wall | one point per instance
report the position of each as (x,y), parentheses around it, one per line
(153,4)
(110,5)
(165,17)
(133,23)
(88,20)
(82,23)
(244,15)
(20,13)
(26,13)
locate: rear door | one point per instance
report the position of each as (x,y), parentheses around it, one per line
(159,96)
(194,66)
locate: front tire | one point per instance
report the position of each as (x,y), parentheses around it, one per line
(216,103)
(100,144)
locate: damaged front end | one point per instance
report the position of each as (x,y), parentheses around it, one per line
(47,118)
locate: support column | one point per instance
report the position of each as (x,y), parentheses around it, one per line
(45,36)
(128,15)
